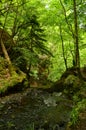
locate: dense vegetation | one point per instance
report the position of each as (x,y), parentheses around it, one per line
(42,42)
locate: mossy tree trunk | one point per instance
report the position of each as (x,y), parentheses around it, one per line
(6,56)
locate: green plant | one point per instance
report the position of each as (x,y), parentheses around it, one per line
(74,116)
(30,127)
(79,107)
(10,125)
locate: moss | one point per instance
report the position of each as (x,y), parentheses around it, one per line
(6,80)
(10,82)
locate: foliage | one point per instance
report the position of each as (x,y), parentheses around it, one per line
(57,14)
(25,30)
(75,113)
(30,47)
(79,106)
(14,17)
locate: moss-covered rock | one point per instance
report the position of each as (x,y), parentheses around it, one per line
(6,80)
(69,83)
(72,84)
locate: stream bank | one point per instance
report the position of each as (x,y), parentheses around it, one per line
(34,110)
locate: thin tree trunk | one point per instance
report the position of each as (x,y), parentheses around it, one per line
(63,51)
(76,37)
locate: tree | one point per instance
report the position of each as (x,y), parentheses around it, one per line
(30,45)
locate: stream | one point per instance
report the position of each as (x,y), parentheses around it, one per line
(34,110)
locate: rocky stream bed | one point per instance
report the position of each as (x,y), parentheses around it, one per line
(34,110)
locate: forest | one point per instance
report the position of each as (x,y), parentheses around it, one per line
(42,65)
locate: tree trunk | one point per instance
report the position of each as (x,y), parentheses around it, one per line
(7,57)
(76,37)
(5,52)
(63,51)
